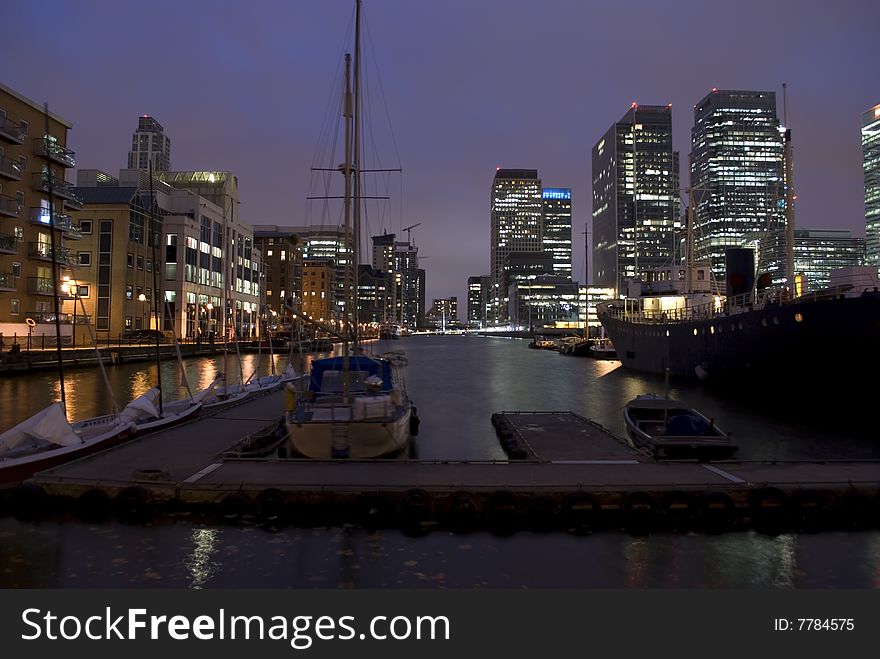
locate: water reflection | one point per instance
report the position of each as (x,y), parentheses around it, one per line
(201,563)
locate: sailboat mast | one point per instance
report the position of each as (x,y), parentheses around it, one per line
(789,199)
(689,244)
(55,278)
(356,164)
(346,171)
(154,237)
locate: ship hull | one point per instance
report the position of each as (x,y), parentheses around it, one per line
(826,342)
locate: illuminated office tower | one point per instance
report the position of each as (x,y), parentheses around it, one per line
(871,162)
(516,225)
(150,144)
(737,172)
(817,252)
(636,197)
(557,228)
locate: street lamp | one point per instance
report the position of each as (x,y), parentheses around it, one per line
(70,289)
(142,298)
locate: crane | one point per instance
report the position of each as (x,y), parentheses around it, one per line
(409,231)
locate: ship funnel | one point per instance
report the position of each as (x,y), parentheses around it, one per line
(740,264)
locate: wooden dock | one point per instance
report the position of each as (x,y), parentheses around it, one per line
(576,475)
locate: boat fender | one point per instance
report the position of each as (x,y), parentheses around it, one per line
(716,512)
(272,508)
(769,509)
(581,513)
(414,422)
(678,510)
(702,371)
(29,502)
(542,513)
(503,512)
(94,505)
(854,511)
(809,510)
(233,507)
(373,511)
(133,505)
(415,512)
(639,513)
(461,513)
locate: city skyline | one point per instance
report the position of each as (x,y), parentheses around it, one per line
(245,92)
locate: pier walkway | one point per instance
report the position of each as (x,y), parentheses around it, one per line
(576,475)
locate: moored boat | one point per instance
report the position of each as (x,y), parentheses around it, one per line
(48,439)
(669,429)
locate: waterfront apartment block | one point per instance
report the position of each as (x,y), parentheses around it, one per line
(636,201)
(203,261)
(556,204)
(871,164)
(376,297)
(516,226)
(816,254)
(34,196)
(318,290)
(737,172)
(150,146)
(120,257)
(290,247)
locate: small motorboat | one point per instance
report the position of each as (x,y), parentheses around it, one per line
(668,429)
(603,349)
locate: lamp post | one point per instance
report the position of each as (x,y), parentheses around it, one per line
(142,298)
(67,288)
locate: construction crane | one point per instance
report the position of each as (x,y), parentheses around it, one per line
(409,231)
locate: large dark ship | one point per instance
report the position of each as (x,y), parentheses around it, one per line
(758,339)
(826,341)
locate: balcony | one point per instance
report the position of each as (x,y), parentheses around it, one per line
(40,217)
(43,252)
(8,206)
(10,169)
(56,153)
(40,286)
(7,282)
(8,244)
(11,131)
(60,187)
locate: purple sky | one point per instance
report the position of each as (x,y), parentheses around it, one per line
(469,84)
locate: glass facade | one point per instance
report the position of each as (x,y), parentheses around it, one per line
(816,254)
(516,226)
(636,202)
(871,162)
(737,173)
(557,228)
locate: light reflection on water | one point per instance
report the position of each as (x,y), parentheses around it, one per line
(456,382)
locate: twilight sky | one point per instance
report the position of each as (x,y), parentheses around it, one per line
(469,85)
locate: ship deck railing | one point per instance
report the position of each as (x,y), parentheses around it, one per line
(719,307)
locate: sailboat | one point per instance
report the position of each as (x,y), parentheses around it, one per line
(353,407)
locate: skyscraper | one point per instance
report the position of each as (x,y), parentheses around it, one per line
(816,253)
(871,163)
(516,225)
(557,228)
(150,144)
(635,196)
(737,172)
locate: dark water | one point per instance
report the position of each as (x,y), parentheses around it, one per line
(456,382)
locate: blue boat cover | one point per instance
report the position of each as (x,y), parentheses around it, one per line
(377,367)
